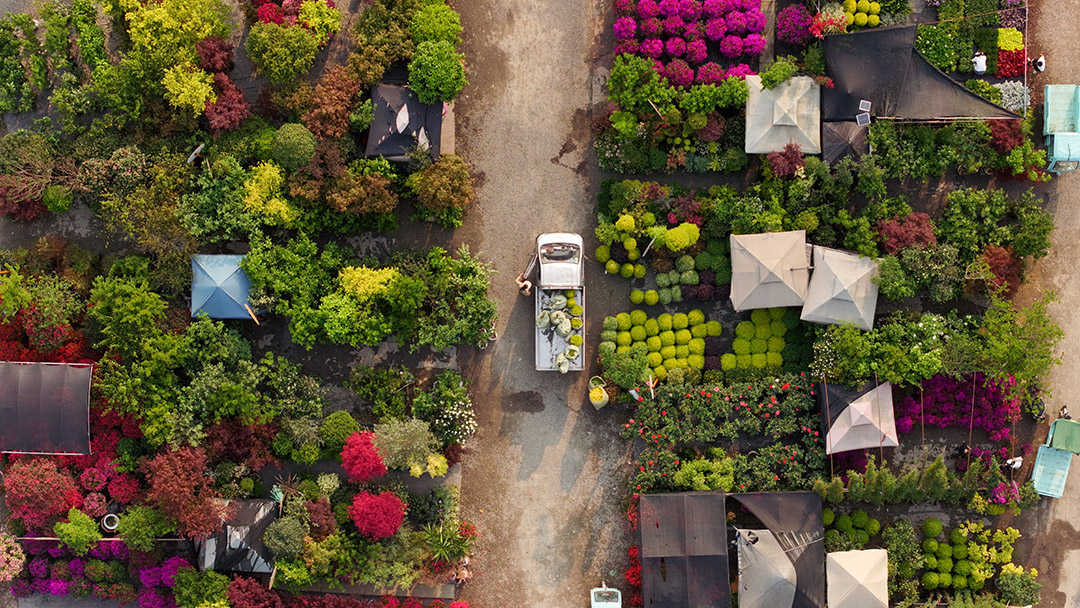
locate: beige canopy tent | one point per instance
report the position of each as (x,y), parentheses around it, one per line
(858,579)
(857,419)
(769,270)
(842,289)
(789,113)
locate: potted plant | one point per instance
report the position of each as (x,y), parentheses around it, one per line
(110,522)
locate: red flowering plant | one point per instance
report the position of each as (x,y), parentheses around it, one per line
(823,24)
(377,516)
(39,492)
(361,459)
(247,592)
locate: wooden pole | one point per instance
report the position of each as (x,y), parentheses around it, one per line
(971,420)
(922,420)
(828,416)
(877,418)
(253,317)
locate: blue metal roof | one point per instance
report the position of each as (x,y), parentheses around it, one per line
(219,287)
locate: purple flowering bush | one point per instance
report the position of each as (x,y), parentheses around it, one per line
(715,29)
(669,8)
(652,48)
(696,51)
(679,74)
(753,44)
(627,46)
(690,10)
(625,28)
(12,557)
(624,7)
(674,25)
(647,9)
(694,31)
(651,28)
(793,25)
(676,47)
(736,22)
(731,46)
(947,402)
(710,73)
(755,21)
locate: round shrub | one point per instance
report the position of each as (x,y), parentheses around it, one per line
(727,362)
(684,263)
(690,277)
(958,582)
(930,546)
(637,333)
(651,297)
(930,581)
(944,564)
(336,429)
(603,254)
(713,328)
(695,317)
(285,537)
(653,342)
(624,339)
(859,519)
(743,361)
(775,345)
(680,321)
(962,568)
(667,338)
(873,527)
(762,330)
(875,8)
(741,346)
(436,72)
(861,537)
(640,271)
(697,346)
(862,6)
(576,323)
(671,364)
(931,528)
(777,329)
(849,18)
(623,320)
(957,537)
(660,372)
(676,293)
(778,314)
(759,360)
(377,516)
(637,296)
(435,22)
(827,516)
(844,523)
(959,551)
(929,562)
(609,335)
(662,280)
(774,360)
(859,20)
(873,21)
(664,296)
(622,350)
(760,316)
(850,6)
(638,317)
(673,277)
(758,346)
(943,550)
(667,352)
(652,328)
(293,146)
(606,348)
(695,361)
(683,336)
(611,267)
(699,331)
(655,360)
(682,351)
(944,578)
(744,330)
(626,271)
(665,322)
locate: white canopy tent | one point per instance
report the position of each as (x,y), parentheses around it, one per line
(769,270)
(858,579)
(842,289)
(790,113)
(767,577)
(861,420)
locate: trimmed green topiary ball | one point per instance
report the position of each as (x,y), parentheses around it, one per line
(680,321)
(860,19)
(875,8)
(850,6)
(660,372)
(775,345)
(665,322)
(727,362)
(873,21)
(684,263)
(623,320)
(605,349)
(611,267)
(609,335)
(637,296)
(610,323)
(655,360)
(929,546)
(862,6)
(667,352)
(742,361)
(774,360)
(626,271)
(696,361)
(844,523)
(652,328)
(744,330)
(667,338)
(699,331)
(760,316)
(651,297)
(758,346)
(624,339)
(638,317)
(603,254)
(741,346)
(637,332)
(762,331)
(697,346)
(944,564)
(930,581)
(662,280)
(943,550)
(714,329)
(653,342)
(683,336)
(759,360)
(778,328)
(827,516)
(695,317)
(931,528)
(640,271)
(682,351)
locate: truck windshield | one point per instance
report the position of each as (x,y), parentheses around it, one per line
(559,252)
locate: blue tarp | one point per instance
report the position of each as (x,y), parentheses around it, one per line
(219,287)
(1051,471)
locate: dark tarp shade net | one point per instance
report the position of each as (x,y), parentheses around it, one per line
(834,398)
(45,407)
(843,138)
(794,518)
(386,139)
(683,541)
(883,67)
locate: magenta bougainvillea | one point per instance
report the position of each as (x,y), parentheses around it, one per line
(674,26)
(947,402)
(793,24)
(715,29)
(710,73)
(675,47)
(647,9)
(652,48)
(731,46)
(679,74)
(753,44)
(696,52)
(755,21)
(689,10)
(625,28)
(740,71)
(736,22)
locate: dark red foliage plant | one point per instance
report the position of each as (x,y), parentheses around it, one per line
(1006,134)
(250,593)
(1005,268)
(1011,63)
(229,109)
(330,601)
(215,54)
(377,516)
(39,492)
(332,103)
(361,459)
(900,233)
(233,441)
(788,162)
(321,515)
(181,486)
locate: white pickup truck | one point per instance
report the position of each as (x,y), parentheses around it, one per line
(560,303)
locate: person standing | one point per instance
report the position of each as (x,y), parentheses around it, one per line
(1039,64)
(1015,462)
(979,61)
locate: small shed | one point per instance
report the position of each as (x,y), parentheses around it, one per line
(769,270)
(857,419)
(789,113)
(402,122)
(842,289)
(683,548)
(219,287)
(858,579)
(45,408)
(238,546)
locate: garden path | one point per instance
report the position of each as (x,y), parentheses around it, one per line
(544,479)
(1051,541)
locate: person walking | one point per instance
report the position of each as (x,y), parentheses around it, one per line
(979,62)
(1015,462)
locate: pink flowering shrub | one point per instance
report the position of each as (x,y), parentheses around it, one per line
(753,44)
(689,10)
(270,13)
(627,46)
(651,28)
(676,47)
(11,557)
(39,492)
(736,22)
(624,7)
(740,71)
(669,8)
(947,402)
(710,73)
(93,479)
(679,74)
(647,9)
(94,504)
(694,31)
(652,48)
(625,28)
(755,21)
(731,46)
(674,25)
(715,29)
(793,24)
(696,51)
